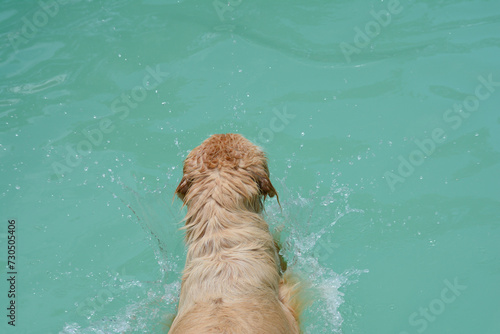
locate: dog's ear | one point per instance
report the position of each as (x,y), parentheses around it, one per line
(183,188)
(187,177)
(266,187)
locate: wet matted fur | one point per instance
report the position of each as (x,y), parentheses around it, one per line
(232,282)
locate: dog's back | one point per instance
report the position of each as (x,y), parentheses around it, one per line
(245,316)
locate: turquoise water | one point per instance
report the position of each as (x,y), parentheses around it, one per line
(380,119)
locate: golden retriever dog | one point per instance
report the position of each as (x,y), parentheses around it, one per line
(232,282)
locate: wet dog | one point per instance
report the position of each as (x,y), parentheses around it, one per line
(233,281)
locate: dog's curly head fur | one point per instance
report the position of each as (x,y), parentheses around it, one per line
(226,167)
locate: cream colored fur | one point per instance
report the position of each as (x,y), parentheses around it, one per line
(232,283)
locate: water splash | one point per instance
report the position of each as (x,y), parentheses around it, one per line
(142,306)
(153,313)
(302,224)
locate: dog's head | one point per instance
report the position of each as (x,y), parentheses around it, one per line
(226,165)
